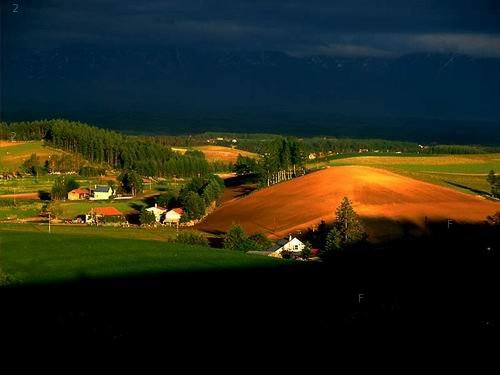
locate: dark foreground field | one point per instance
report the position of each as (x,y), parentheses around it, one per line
(440,285)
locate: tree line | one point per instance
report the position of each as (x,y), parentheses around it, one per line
(258,143)
(105,146)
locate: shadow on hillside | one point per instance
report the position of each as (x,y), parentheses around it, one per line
(442,280)
(475,191)
(240,180)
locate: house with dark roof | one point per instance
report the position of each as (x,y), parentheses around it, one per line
(101,193)
(290,244)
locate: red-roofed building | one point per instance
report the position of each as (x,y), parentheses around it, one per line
(78,194)
(105,215)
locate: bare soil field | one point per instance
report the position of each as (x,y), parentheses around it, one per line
(10,143)
(375,193)
(220,153)
(33,196)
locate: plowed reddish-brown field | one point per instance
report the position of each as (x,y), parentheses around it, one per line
(375,193)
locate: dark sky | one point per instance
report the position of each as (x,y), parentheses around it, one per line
(335,28)
(418,58)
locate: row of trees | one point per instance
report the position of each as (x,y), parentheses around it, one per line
(347,145)
(459,149)
(282,160)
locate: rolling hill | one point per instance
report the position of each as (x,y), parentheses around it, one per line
(375,193)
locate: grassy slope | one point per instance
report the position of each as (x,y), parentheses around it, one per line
(12,156)
(31,257)
(466,173)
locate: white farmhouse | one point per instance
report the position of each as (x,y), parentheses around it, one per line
(291,244)
(101,193)
(173,216)
(157,211)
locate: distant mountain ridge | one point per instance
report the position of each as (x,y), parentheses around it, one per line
(171,89)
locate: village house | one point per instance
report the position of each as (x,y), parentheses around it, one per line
(78,194)
(105,215)
(158,211)
(290,244)
(101,193)
(173,216)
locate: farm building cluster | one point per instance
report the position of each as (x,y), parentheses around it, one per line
(99,193)
(113,216)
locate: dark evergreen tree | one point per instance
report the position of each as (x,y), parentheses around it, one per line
(130,182)
(347,230)
(235,238)
(146,217)
(194,206)
(58,191)
(71,184)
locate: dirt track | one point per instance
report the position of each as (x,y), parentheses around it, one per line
(20,196)
(375,193)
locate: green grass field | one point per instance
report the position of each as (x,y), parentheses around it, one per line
(26,185)
(30,257)
(13,155)
(21,210)
(466,173)
(135,233)
(71,209)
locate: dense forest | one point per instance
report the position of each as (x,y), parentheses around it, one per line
(112,148)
